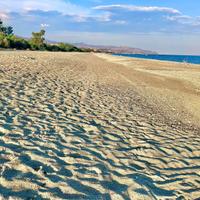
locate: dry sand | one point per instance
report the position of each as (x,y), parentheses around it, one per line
(95,126)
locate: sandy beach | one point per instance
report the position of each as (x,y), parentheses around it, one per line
(97,126)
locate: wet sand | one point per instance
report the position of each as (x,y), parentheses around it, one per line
(96,126)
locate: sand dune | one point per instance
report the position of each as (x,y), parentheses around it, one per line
(88,126)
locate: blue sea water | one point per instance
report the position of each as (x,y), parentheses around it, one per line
(175,58)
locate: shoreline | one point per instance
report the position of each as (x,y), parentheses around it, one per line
(151,59)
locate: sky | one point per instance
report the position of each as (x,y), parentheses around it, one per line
(165,26)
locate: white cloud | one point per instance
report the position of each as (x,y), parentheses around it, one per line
(185,19)
(78,13)
(44,25)
(104,17)
(121,22)
(174,15)
(138,8)
(64,7)
(4,16)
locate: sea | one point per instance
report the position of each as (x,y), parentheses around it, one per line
(174,58)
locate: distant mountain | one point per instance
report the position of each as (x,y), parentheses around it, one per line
(114,49)
(107,48)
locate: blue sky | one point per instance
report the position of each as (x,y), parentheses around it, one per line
(166,26)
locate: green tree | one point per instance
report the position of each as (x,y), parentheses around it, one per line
(68,47)
(37,41)
(2,36)
(50,47)
(6,43)
(1,23)
(7,30)
(18,43)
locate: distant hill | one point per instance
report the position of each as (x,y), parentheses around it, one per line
(105,48)
(114,49)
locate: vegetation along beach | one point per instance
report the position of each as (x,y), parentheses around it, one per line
(80,123)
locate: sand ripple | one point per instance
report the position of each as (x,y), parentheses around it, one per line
(66,132)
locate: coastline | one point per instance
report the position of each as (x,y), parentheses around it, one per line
(160,60)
